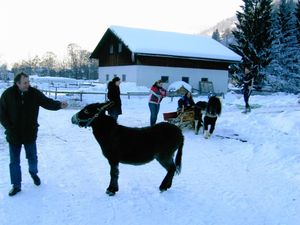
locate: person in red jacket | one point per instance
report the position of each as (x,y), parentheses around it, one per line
(157,93)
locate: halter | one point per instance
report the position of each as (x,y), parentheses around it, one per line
(90,120)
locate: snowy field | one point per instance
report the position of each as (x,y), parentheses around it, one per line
(224,181)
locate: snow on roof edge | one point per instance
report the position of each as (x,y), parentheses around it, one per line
(140,40)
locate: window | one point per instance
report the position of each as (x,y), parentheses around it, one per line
(186,79)
(204,79)
(165,79)
(115,75)
(107,77)
(123,77)
(120,48)
(111,49)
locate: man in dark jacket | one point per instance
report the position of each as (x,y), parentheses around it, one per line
(247,88)
(113,95)
(19,109)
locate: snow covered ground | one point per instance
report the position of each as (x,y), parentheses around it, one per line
(224,181)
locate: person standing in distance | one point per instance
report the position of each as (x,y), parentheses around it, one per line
(113,95)
(19,109)
(247,88)
(157,93)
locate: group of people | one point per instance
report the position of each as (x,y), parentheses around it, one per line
(19,109)
(157,93)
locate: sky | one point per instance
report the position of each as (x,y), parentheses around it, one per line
(223,180)
(33,27)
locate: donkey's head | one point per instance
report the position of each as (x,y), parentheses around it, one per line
(89,113)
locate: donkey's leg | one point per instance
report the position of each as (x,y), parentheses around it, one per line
(169,165)
(114,175)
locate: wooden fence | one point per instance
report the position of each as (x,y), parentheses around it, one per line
(128,94)
(81,93)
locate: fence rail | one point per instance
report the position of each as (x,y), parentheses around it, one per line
(81,93)
(128,94)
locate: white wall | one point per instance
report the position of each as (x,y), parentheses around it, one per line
(129,71)
(147,75)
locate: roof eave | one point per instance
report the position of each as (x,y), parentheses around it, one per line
(230,61)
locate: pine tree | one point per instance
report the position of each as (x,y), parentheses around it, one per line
(290,46)
(283,71)
(275,69)
(298,19)
(253,39)
(216,35)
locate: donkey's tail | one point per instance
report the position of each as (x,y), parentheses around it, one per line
(179,156)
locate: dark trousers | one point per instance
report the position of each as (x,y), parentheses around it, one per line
(154,109)
(246,97)
(210,121)
(15,167)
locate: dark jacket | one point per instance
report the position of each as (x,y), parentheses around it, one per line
(113,95)
(19,113)
(185,102)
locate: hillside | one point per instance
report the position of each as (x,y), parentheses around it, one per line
(224,26)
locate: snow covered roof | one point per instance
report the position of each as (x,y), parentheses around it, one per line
(143,41)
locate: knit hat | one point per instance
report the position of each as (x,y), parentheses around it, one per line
(116,79)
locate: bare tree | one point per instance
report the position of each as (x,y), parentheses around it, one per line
(49,64)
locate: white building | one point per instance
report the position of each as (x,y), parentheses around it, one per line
(144,56)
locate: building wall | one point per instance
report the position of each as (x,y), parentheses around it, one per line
(147,75)
(111,71)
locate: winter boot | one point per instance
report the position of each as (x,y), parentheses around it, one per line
(14,191)
(248,109)
(35,178)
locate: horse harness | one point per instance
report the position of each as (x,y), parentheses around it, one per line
(90,120)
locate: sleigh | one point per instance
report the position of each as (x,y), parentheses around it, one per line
(182,119)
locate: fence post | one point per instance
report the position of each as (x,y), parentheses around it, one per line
(81,96)
(128,95)
(56,93)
